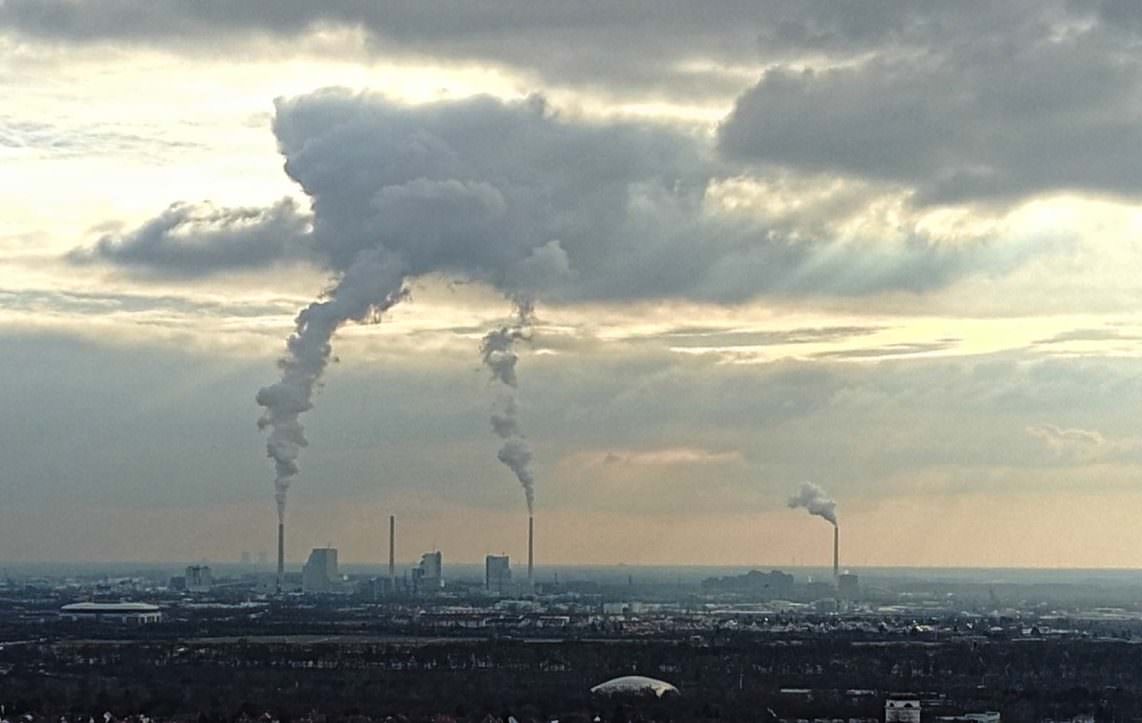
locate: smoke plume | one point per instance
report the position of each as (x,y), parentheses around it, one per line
(371,285)
(498,352)
(816,501)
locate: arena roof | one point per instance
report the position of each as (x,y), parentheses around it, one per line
(634,684)
(119,607)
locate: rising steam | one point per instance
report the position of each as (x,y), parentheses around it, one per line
(816,501)
(371,285)
(498,352)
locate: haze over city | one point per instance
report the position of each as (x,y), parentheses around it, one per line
(658,269)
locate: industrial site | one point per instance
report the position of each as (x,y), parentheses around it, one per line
(564,361)
(426,640)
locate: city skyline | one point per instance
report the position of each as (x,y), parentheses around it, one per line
(890,252)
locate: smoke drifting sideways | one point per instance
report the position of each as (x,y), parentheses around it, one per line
(475,190)
(372,285)
(498,352)
(816,501)
(510,195)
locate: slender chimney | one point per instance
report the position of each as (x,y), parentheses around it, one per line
(281,554)
(392,548)
(530,551)
(836,554)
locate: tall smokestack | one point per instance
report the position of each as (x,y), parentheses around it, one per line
(530,551)
(281,554)
(392,548)
(836,554)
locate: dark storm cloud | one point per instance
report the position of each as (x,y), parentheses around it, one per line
(959,111)
(512,194)
(664,47)
(593,43)
(195,240)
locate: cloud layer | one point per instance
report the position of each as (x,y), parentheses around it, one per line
(514,195)
(194,240)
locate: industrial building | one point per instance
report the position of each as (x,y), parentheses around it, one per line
(429,574)
(320,573)
(199,578)
(497,573)
(123,613)
(848,586)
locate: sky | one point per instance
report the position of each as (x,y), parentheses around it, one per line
(887,247)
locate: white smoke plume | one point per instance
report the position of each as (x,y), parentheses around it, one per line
(498,352)
(370,286)
(816,501)
(507,194)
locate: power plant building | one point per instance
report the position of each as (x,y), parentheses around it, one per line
(320,572)
(848,586)
(497,573)
(199,578)
(429,574)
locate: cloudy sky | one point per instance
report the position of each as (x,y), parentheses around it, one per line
(888,247)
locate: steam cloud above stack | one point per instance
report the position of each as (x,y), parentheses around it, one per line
(816,501)
(475,189)
(505,193)
(498,352)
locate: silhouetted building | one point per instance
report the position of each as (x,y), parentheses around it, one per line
(320,571)
(774,584)
(848,586)
(199,578)
(497,573)
(429,574)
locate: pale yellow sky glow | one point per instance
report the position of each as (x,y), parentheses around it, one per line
(748,270)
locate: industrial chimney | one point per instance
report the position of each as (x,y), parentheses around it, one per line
(530,551)
(836,555)
(281,554)
(392,550)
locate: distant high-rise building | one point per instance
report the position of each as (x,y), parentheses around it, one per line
(497,573)
(320,571)
(199,578)
(429,574)
(246,557)
(848,586)
(263,558)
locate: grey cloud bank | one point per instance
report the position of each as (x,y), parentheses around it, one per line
(1008,113)
(194,240)
(511,194)
(1006,101)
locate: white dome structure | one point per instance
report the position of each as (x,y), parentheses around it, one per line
(634,684)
